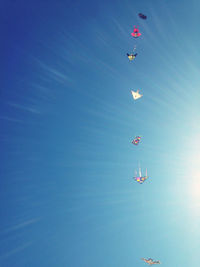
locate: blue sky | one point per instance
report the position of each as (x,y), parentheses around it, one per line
(67,120)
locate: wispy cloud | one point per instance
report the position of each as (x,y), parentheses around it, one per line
(54,73)
(10,119)
(16,250)
(21,225)
(26,108)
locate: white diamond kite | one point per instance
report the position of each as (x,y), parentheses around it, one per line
(136,95)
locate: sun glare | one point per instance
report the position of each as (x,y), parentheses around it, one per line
(195,187)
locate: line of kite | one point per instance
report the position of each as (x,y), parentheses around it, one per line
(136,95)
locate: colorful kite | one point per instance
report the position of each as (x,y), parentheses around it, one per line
(139,178)
(131,56)
(136,32)
(136,95)
(136,140)
(151,261)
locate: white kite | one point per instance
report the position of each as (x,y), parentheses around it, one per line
(136,95)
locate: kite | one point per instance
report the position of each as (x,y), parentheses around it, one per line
(140,179)
(136,32)
(151,261)
(136,95)
(131,56)
(142,16)
(136,140)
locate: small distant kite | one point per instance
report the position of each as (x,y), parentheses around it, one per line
(131,56)
(151,261)
(136,95)
(142,16)
(140,179)
(136,32)
(136,140)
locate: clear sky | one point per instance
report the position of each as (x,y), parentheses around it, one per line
(67,119)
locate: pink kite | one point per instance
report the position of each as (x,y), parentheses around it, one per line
(136,32)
